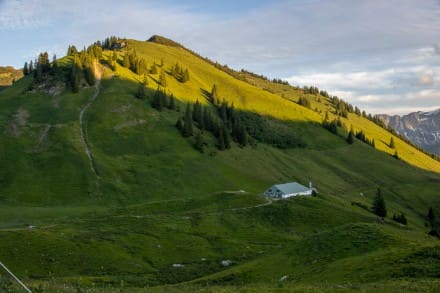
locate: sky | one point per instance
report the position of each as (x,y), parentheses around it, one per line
(382,56)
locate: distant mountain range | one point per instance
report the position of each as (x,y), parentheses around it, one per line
(422,128)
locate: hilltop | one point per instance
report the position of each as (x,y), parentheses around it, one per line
(8,75)
(139,164)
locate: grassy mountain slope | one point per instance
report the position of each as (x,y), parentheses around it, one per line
(247,96)
(8,75)
(159,212)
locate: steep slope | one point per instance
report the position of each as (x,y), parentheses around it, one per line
(164,213)
(279,104)
(422,128)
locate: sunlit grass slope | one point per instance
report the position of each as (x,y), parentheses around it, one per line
(161,213)
(204,76)
(320,103)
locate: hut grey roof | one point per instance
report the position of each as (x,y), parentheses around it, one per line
(292,187)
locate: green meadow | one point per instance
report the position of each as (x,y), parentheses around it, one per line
(158,215)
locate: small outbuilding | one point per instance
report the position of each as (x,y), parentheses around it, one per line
(288,190)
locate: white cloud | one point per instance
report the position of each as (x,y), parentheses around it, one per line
(426,79)
(424,100)
(437,48)
(338,81)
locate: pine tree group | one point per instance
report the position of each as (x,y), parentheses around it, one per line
(179,73)
(131,61)
(400,218)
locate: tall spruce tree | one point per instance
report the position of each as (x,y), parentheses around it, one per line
(26,69)
(179,124)
(71,50)
(350,137)
(55,68)
(185,76)
(214,95)
(172,103)
(199,143)
(126,61)
(221,139)
(392,144)
(162,79)
(153,69)
(188,125)
(197,112)
(379,207)
(75,74)
(141,93)
(431,217)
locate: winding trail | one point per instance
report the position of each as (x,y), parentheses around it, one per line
(81,122)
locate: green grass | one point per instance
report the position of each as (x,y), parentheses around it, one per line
(157,201)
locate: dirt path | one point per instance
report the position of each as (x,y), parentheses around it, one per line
(98,74)
(42,138)
(81,125)
(268,202)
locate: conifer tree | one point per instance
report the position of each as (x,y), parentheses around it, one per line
(75,75)
(55,68)
(115,56)
(392,145)
(89,70)
(141,94)
(126,61)
(206,119)
(221,140)
(244,137)
(153,69)
(71,50)
(25,69)
(431,217)
(188,125)
(185,76)
(158,100)
(197,112)
(226,137)
(172,103)
(214,97)
(162,79)
(179,124)
(379,207)
(199,144)
(223,111)
(31,67)
(350,137)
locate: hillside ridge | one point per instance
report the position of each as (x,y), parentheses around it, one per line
(183,151)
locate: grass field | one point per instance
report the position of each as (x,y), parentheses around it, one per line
(162,216)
